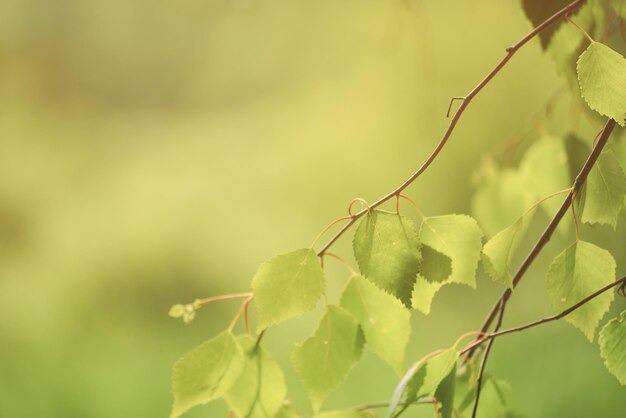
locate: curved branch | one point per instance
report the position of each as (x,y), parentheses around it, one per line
(510,51)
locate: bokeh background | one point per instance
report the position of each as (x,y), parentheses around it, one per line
(155,152)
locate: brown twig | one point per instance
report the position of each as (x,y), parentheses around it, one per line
(510,51)
(547,233)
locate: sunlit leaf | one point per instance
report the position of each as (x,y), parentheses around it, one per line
(323,360)
(577,272)
(287,286)
(435,266)
(605,191)
(602,79)
(387,250)
(385,321)
(613,346)
(423,294)
(458,237)
(260,390)
(206,373)
(498,251)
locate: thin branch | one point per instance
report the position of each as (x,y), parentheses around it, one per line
(547,233)
(199,302)
(510,51)
(557,316)
(242,307)
(483,363)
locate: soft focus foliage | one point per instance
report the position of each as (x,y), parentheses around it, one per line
(154,153)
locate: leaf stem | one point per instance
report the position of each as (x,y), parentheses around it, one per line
(242,307)
(534,206)
(342,261)
(199,302)
(584,32)
(327,227)
(468,334)
(412,202)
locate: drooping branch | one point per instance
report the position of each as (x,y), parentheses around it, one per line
(547,233)
(465,101)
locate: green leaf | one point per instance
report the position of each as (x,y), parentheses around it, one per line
(206,373)
(602,79)
(545,169)
(605,191)
(287,286)
(538,11)
(343,414)
(500,200)
(458,237)
(613,347)
(498,251)
(445,394)
(422,379)
(423,294)
(323,360)
(260,390)
(385,321)
(577,272)
(435,266)
(386,248)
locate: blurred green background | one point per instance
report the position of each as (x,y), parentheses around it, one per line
(155,152)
